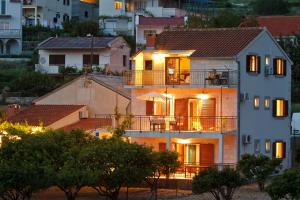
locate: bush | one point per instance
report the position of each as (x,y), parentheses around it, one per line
(221,184)
(270,7)
(258,168)
(285,186)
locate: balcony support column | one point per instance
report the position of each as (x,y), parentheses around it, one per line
(221,150)
(35,16)
(168,142)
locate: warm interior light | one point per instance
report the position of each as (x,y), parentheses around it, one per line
(158,56)
(279,150)
(202,96)
(279,108)
(183,141)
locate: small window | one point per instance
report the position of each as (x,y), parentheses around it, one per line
(279,67)
(267,146)
(86,14)
(87,60)
(253,64)
(124,61)
(118,5)
(256,146)
(280,108)
(148,65)
(267,102)
(57,60)
(267,60)
(256,102)
(279,149)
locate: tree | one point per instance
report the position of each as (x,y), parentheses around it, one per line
(76,28)
(227,19)
(270,7)
(285,186)
(258,168)
(221,184)
(250,21)
(163,163)
(117,163)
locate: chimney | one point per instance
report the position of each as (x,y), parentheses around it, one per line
(12,110)
(150,41)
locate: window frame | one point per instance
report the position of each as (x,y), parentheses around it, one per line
(274,149)
(124,60)
(254,105)
(285,108)
(148,61)
(87,57)
(270,145)
(267,56)
(54,63)
(284,67)
(257,146)
(267,98)
(258,64)
(118,5)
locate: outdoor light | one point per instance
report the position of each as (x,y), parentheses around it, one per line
(202,96)
(159,56)
(183,141)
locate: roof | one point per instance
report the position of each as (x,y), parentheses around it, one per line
(280,25)
(45,114)
(75,43)
(161,21)
(224,42)
(89,124)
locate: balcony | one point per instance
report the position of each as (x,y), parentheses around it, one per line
(201,78)
(10,33)
(29,2)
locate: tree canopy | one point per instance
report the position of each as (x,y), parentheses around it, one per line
(270,7)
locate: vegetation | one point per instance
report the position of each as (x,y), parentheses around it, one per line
(258,168)
(220,184)
(76,28)
(270,7)
(285,186)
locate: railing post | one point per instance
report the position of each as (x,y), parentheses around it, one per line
(179,123)
(140,124)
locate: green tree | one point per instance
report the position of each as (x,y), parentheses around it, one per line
(76,28)
(270,7)
(221,184)
(163,163)
(227,19)
(285,186)
(258,168)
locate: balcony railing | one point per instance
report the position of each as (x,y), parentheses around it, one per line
(10,33)
(205,78)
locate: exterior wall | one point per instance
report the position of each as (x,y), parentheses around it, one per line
(70,119)
(79,8)
(259,123)
(99,99)
(11,38)
(140,37)
(119,48)
(230,148)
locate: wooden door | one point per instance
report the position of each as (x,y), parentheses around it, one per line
(206,154)
(181,113)
(208,114)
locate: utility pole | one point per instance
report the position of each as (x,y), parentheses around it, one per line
(92,53)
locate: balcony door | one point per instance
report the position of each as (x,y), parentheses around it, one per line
(172,68)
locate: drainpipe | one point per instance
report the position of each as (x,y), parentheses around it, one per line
(238,109)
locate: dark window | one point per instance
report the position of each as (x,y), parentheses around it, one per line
(3,7)
(57,60)
(148,65)
(87,59)
(124,60)
(86,14)
(279,149)
(149,108)
(279,67)
(280,108)
(253,64)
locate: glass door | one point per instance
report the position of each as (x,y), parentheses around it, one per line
(172,71)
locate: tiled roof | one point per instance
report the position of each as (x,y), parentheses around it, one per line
(44,114)
(280,25)
(208,42)
(75,43)
(89,124)
(161,21)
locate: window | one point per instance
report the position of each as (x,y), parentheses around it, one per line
(57,60)
(279,149)
(267,60)
(3,7)
(118,5)
(267,102)
(87,59)
(124,61)
(279,67)
(253,64)
(280,108)
(4,25)
(148,64)
(256,102)
(148,33)
(256,146)
(86,14)
(267,146)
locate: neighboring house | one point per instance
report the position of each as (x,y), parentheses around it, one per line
(148,26)
(10,27)
(110,53)
(212,95)
(84,10)
(118,16)
(86,103)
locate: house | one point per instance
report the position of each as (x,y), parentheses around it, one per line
(11,27)
(84,10)
(212,95)
(148,26)
(118,17)
(85,103)
(110,53)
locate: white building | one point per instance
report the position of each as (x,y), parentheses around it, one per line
(10,27)
(110,53)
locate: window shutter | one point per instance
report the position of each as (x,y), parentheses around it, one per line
(274,108)
(284,67)
(149,108)
(258,64)
(274,66)
(283,149)
(286,108)
(274,150)
(248,63)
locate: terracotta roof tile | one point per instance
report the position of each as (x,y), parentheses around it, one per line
(161,21)
(45,114)
(90,124)
(280,25)
(208,42)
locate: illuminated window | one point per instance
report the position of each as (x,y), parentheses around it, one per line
(267,102)
(256,102)
(279,149)
(267,60)
(253,63)
(118,5)
(279,67)
(280,108)
(267,146)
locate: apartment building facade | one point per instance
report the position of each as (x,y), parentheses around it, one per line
(10,27)
(212,95)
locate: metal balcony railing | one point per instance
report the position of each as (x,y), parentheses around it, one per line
(205,78)
(10,33)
